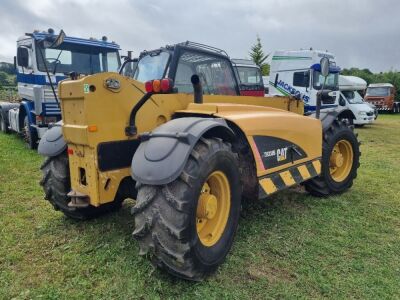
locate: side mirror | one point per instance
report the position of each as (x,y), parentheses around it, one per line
(49,42)
(60,39)
(23,57)
(324,66)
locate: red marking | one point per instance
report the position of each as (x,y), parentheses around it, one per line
(257,154)
(252,93)
(70,151)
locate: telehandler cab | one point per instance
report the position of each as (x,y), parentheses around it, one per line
(188,149)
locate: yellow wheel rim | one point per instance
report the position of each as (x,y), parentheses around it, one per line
(213,208)
(341,160)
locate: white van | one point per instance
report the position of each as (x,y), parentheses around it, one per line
(350,98)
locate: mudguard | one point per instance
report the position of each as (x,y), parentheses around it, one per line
(52,143)
(163,153)
(328,116)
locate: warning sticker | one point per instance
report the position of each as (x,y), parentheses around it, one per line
(86,88)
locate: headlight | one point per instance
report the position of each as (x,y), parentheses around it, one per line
(362,113)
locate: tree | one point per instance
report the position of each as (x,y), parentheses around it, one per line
(7,68)
(3,78)
(258,57)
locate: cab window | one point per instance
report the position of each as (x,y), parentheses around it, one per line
(301,79)
(215,74)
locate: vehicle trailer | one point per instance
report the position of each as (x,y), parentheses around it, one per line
(249,77)
(188,148)
(383,96)
(43,60)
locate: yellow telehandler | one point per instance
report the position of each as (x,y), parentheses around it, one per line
(179,139)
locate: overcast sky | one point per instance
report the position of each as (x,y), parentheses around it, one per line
(361,33)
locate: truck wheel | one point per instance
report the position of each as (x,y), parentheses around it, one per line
(3,125)
(340,161)
(188,225)
(56,185)
(30,137)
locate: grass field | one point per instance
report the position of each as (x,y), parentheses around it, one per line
(290,246)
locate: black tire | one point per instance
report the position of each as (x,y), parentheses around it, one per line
(3,125)
(29,136)
(56,185)
(165,216)
(324,185)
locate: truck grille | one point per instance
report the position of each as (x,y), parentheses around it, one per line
(50,108)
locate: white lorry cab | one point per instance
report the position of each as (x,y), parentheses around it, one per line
(351,99)
(298,73)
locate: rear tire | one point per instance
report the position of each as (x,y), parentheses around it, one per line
(3,125)
(335,179)
(56,184)
(167,222)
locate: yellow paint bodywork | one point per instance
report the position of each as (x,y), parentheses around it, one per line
(98,114)
(267,121)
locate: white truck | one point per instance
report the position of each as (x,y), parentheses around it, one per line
(43,59)
(350,98)
(298,73)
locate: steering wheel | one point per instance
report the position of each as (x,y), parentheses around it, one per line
(54,61)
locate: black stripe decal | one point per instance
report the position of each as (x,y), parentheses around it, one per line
(261,193)
(296,175)
(278,181)
(311,170)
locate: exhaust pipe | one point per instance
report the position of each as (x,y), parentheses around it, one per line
(197,89)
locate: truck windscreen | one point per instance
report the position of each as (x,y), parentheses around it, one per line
(378,91)
(83,59)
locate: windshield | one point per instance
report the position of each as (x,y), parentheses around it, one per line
(378,91)
(152,66)
(353,97)
(83,59)
(331,81)
(249,75)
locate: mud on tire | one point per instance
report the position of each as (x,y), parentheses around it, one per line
(165,216)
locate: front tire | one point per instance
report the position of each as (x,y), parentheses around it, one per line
(56,183)
(29,135)
(188,225)
(340,161)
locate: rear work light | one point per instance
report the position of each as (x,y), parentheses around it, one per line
(158,86)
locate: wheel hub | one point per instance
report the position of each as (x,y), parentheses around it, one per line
(341,160)
(213,208)
(337,160)
(207,207)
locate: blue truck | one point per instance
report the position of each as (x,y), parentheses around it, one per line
(43,59)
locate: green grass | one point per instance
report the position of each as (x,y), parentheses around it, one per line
(290,246)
